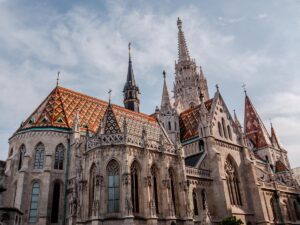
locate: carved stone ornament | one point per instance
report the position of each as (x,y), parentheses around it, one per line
(126,179)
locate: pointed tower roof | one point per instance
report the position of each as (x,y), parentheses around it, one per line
(111,125)
(274,138)
(165,99)
(183,52)
(130,75)
(254,127)
(236,120)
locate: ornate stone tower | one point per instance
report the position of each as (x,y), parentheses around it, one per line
(131,90)
(168,115)
(188,81)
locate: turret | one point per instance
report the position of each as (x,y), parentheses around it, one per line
(131,90)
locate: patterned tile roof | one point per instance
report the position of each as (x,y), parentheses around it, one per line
(280,167)
(60,106)
(189,121)
(254,127)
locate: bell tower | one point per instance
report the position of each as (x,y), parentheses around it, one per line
(189,82)
(131,90)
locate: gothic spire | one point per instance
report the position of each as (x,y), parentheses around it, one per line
(130,75)
(183,52)
(274,138)
(254,128)
(131,90)
(165,99)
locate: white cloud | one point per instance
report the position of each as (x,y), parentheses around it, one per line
(89,47)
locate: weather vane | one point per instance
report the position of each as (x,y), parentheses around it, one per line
(244,87)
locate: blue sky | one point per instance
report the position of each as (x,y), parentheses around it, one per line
(235,42)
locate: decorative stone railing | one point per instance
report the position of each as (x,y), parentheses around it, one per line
(121,139)
(200,173)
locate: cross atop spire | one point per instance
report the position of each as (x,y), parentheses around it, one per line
(57,79)
(183,52)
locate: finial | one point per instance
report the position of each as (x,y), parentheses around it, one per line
(244,87)
(164,74)
(109,95)
(129,47)
(271,123)
(57,79)
(179,23)
(217,87)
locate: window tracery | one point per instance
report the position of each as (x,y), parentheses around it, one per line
(232,183)
(39,156)
(113,176)
(59,157)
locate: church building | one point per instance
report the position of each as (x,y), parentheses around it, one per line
(81,160)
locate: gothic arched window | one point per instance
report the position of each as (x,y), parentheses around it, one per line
(224,128)
(220,129)
(22,152)
(92,184)
(39,156)
(113,177)
(169,125)
(275,207)
(232,183)
(297,211)
(172,189)
(59,157)
(203,195)
(195,203)
(33,212)
(134,173)
(155,187)
(229,132)
(55,202)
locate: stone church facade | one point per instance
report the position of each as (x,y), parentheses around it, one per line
(82,160)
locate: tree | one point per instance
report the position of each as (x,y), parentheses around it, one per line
(232,220)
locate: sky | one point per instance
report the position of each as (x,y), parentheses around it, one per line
(236,42)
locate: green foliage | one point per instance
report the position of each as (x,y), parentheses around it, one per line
(232,220)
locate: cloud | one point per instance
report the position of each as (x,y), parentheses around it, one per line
(89,47)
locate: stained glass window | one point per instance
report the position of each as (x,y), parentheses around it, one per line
(34,202)
(113,176)
(39,156)
(59,157)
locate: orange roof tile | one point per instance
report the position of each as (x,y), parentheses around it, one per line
(60,106)
(254,127)
(280,167)
(189,121)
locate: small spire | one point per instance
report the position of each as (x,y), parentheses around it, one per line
(244,87)
(183,52)
(165,99)
(57,79)
(164,74)
(217,87)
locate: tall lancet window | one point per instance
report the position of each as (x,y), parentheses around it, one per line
(22,152)
(59,157)
(275,207)
(39,156)
(55,202)
(113,176)
(92,184)
(195,203)
(297,210)
(134,171)
(203,195)
(232,183)
(154,173)
(35,193)
(172,189)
